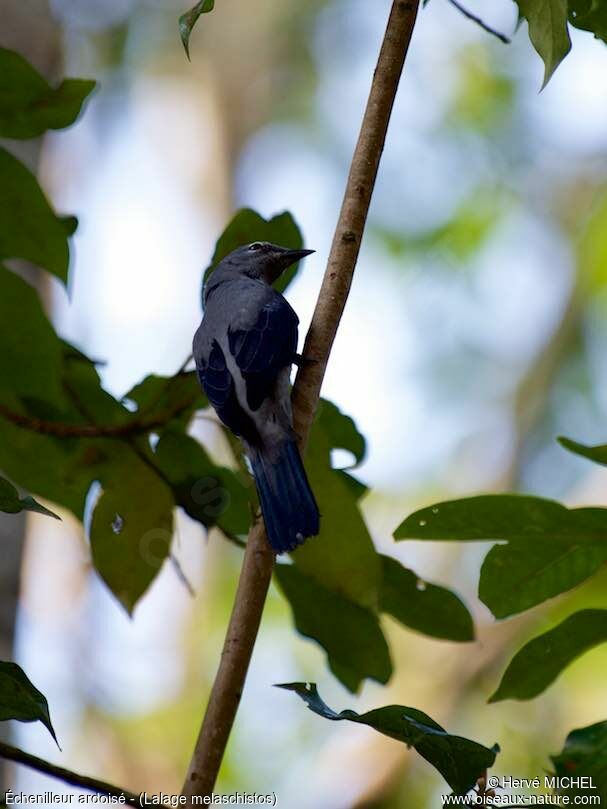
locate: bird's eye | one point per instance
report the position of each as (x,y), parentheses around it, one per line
(255,246)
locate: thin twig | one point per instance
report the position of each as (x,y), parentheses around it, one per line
(502,37)
(258,558)
(69,777)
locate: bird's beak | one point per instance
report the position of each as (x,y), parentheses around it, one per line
(291,256)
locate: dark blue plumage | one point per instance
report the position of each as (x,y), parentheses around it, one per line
(244,349)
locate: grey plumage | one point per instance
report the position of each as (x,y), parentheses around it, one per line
(244,349)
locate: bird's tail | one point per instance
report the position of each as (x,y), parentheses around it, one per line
(287,503)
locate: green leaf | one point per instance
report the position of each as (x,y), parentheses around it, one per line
(589,15)
(350,634)
(211,494)
(29,105)
(598,454)
(31,358)
(424,607)
(168,398)
(547,20)
(541,660)
(511,517)
(460,761)
(343,557)
(248,226)
(188,20)
(131,528)
(11,503)
(341,430)
(551,548)
(20,699)
(29,228)
(584,756)
(516,577)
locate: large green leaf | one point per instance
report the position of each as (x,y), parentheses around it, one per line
(350,634)
(20,699)
(29,228)
(211,494)
(342,557)
(11,503)
(584,756)
(168,398)
(511,517)
(31,355)
(589,15)
(248,226)
(547,20)
(188,20)
(517,576)
(541,660)
(29,105)
(460,761)
(421,606)
(131,528)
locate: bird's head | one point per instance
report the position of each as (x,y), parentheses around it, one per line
(262,260)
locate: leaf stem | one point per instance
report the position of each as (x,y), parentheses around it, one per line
(502,37)
(258,560)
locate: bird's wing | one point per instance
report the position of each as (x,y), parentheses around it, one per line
(218,384)
(264,346)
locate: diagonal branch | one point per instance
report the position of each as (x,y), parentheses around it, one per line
(258,559)
(69,777)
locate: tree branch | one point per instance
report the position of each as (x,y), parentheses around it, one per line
(69,777)
(258,560)
(135,426)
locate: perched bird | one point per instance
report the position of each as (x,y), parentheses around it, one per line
(244,349)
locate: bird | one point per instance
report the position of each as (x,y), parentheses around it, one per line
(244,349)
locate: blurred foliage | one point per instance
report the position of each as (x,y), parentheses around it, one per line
(458,239)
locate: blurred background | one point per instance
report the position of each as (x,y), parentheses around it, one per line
(474,335)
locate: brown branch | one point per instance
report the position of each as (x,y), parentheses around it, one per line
(69,777)
(63,430)
(131,427)
(258,558)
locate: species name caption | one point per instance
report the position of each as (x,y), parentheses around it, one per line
(144,799)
